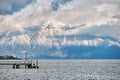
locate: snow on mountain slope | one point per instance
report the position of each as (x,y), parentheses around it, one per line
(39,41)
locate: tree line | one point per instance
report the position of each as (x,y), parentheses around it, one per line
(8,57)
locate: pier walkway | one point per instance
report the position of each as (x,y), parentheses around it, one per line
(11,62)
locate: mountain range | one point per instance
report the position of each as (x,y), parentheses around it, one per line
(48,42)
(60,29)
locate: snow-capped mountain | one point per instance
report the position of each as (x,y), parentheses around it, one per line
(61,29)
(44,42)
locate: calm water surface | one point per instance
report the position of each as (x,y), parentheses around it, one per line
(65,70)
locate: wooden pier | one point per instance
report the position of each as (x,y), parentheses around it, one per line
(17,64)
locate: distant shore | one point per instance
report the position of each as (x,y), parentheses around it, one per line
(8,57)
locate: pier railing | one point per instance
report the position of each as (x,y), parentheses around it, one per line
(11,62)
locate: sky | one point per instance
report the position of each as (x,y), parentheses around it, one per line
(60,28)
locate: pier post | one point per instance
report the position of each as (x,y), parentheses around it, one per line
(13,65)
(25,65)
(17,66)
(37,64)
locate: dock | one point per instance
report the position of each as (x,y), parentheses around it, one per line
(18,63)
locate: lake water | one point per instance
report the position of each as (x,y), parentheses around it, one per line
(65,70)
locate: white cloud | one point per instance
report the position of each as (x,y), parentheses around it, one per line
(107,10)
(90,13)
(93,42)
(111,43)
(15,40)
(58,54)
(86,55)
(34,14)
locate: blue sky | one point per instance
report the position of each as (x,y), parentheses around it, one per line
(62,29)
